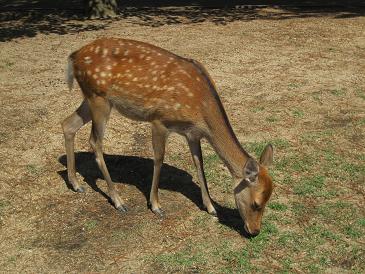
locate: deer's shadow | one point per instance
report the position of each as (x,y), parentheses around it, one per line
(138,171)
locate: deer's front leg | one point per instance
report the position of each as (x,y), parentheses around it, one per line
(196,153)
(159,136)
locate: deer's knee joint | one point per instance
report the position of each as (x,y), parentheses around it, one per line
(68,131)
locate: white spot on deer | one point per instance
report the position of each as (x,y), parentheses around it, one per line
(98,82)
(127,83)
(177,106)
(95,76)
(198,79)
(130,61)
(148,58)
(102,82)
(116,51)
(153,63)
(102,74)
(190,94)
(121,43)
(97,69)
(154,79)
(114,64)
(91,48)
(166,106)
(97,49)
(205,104)
(108,67)
(154,72)
(171,88)
(118,75)
(110,74)
(126,53)
(135,79)
(105,52)
(88,72)
(141,56)
(188,107)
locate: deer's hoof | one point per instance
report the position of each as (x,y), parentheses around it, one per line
(213,213)
(122,209)
(159,212)
(80,189)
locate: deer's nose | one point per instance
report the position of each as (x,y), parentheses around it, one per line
(252,233)
(255,232)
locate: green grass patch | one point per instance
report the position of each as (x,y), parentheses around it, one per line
(91,224)
(188,259)
(272,119)
(309,185)
(361,94)
(34,170)
(6,64)
(296,162)
(353,231)
(215,174)
(293,85)
(338,92)
(257,109)
(297,113)
(278,206)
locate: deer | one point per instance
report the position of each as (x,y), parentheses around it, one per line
(147,83)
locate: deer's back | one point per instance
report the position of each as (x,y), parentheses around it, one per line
(142,81)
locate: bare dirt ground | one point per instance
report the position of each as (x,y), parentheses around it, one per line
(294,80)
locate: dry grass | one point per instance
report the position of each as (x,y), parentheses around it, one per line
(298,83)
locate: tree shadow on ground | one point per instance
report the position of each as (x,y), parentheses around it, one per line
(138,171)
(28,18)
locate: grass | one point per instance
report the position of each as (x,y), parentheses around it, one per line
(278,206)
(6,64)
(297,113)
(361,94)
(338,92)
(91,224)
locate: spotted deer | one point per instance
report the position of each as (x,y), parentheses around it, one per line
(175,94)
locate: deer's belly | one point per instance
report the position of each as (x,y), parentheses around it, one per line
(132,109)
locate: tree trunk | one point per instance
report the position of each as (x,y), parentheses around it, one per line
(101,8)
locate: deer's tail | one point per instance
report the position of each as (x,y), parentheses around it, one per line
(70,72)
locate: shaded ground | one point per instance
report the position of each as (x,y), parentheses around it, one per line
(297,83)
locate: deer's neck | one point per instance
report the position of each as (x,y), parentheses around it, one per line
(225,142)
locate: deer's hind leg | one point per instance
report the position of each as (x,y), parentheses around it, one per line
(70,126)
(100,110)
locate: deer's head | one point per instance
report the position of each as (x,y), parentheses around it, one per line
(253,190)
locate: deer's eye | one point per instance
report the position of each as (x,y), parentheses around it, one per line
(255,206)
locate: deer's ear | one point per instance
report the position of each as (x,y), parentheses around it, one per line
(267,155)
(250,171)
